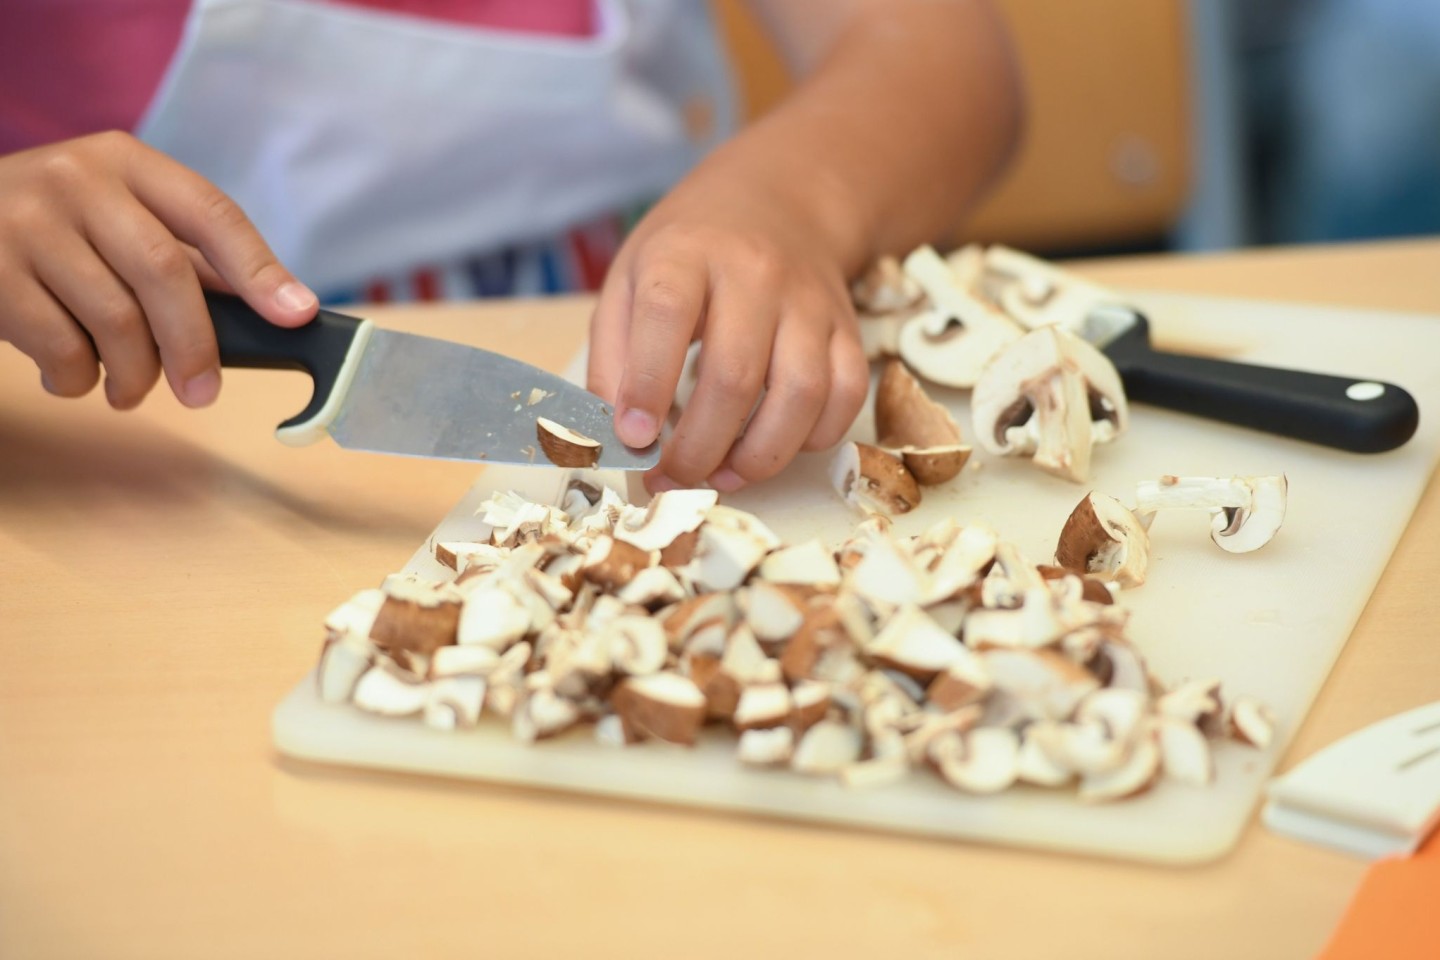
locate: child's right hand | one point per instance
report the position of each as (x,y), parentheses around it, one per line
(104,246)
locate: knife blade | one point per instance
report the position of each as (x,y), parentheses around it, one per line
(1357,414)
(399,393)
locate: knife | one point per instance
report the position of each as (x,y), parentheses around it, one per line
(1348,413)
(387,392)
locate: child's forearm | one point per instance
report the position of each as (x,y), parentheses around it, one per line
(903,122)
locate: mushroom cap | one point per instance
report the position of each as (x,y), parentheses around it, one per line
(1242,529)
(564,447)
(906,416)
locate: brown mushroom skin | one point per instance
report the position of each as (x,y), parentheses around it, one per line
(411,627)
(562,452)
(642,718)
(1093,588)
(886,472)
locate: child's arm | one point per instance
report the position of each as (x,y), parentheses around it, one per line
(909,110)
(104,245)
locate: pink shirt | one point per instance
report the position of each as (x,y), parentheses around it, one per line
(71,67)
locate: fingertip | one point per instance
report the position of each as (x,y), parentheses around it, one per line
(295,304)
(727,480)
(658,482)
(636,428)
(200,390)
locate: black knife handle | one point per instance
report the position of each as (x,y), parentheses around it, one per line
(327,348)
(1342,412)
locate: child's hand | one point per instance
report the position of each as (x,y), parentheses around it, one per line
(104,246)
(748,268)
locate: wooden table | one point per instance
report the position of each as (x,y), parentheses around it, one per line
(164,577)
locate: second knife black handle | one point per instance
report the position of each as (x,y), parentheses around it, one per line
(1362,416)
(319,348)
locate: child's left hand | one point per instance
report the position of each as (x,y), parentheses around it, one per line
(756,273)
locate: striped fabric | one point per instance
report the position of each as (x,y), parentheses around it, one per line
(573,263)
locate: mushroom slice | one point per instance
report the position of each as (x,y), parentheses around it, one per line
(541,714)
(887,763)
(762,705)
(1245,512)
(493,617)
(1035,623)
(884,288)
(1184,752)
(1131,778)
(383,689)
(1118,664)
(826,748)
(915,645)
(720,689)
(610,563)
(636,644)
(670,515)
(1086,748)
(767,747)
(1196,702)
(809,703)
(455,702)
(929,726)
(463,660)
(344,660)
(461,556)
(663,706)
(416,617)
(954,341)
(1251,722)
(652,587)
(771,612)
(873,481)
(919,429)
(356,615)
(724,558)
(965,559)
(1120,711)
(885,577)
(1047,685)
(965,680)
(1036,765)
(564,447)
(983,760)
(807,563)
(746,661)
(1103,538)
(686,618)
(1050,396)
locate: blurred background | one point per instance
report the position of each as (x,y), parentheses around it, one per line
(1168,125)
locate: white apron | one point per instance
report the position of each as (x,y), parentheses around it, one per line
(360,141)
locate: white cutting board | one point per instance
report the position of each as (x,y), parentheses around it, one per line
(1269,624)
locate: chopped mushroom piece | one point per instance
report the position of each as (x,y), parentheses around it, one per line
(873,481)
(983,760)
(919,429)
(1252,722)
(1103,538)
(1136,774)
(1050,396)
(767,747)
(662,706)
(1245,512)
(669,516)
(564,447)
(827,747)
(1184,752)
(806,563)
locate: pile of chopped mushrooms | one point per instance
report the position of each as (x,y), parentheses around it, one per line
(947,651)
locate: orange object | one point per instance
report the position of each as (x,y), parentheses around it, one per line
(1394,915)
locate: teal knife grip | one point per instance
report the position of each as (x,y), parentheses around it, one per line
(327,348)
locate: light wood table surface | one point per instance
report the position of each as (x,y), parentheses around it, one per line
(163,575)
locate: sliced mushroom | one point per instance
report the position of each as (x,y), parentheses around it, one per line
(1246,512)
(636,644)
(416,618)
(463,660)
(455,702)
(542,714)
(1050,396)
(1036,293)
(385,690)
(1196,702)
(1122,712)
(1184,752)
(983,760)
(964,681)
(954,341)
(670,515)
(1048,685)
(1103,538)
(652,587)
(461,556)
(663,706)
(771,612)
(888,762)
(886,578)
(914,644)
(806,563)
(564,447)
(686,618)
(826,748)
(724,557)
(762,705)
(766,747)
(809,704)
(610,563)
(344,660)
(1133,777)
(873,481)
(1035,764)
(922,431)
(1251,722)
(493,617)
